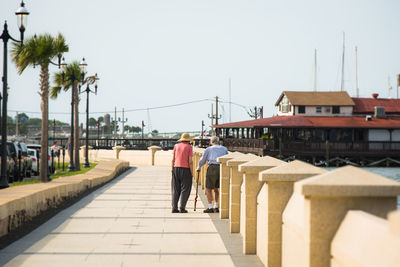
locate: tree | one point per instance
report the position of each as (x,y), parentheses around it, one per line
(72,78)
(22,117)
(40,51)
(92,122)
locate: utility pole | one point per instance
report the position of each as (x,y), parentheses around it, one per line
(212,114)
(123,123)
(216,110)
(202,133)
(115,123)
(255,112)
(261,112)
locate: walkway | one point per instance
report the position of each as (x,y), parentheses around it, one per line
(129,223)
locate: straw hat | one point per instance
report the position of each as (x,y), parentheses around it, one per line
(185,138)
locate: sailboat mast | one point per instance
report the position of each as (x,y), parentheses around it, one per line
(230,101)
(342,83)
(356,73)
(315,70)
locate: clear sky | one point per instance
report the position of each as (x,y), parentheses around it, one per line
(152,53)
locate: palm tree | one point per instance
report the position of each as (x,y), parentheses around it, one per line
(72,79)
(40,51)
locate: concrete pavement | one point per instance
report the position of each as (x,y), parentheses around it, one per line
(128,222)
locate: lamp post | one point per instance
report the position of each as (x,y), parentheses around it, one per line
(143,129)
(72,79)
(89,80)
(22,16)
(54,129)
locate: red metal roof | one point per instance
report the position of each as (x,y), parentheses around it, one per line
(366,105)
(315,122)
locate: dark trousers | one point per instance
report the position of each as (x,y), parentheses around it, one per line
(181,185)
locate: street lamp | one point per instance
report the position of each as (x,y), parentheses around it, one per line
(54,129)
(89,80)
(22,16)
(143,129)
(72,79)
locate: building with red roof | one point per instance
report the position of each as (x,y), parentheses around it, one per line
(317,126)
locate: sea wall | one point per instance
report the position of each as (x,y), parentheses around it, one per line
(296,214)
(19,204)
(134,157)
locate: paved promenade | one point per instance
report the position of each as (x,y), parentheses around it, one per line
(129,223)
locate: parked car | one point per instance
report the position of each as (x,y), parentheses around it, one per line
(12,147)
(10,165)
(49,157)
(26,163)
(33,153)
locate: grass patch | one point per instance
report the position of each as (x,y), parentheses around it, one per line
(58,173)
(30,181)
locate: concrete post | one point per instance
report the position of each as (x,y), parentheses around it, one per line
(117,150)
(224,184)
(318,206)
(364,240)
(271,201)
(248,206)
(236,179)
(83,149)
(153,150)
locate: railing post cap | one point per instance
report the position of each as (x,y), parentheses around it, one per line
(290,172)
(259,164)
(348,181)
(394,222)
(225,158)
(242,159)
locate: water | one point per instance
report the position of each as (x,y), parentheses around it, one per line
(391,173)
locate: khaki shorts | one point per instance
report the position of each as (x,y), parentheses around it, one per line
(212,177)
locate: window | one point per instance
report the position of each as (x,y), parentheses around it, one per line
(335,110)
(318,109)
(284,105)
(302,109)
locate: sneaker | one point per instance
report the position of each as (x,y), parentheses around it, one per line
(175,211)
(216,210)
(208,211)
(184,211)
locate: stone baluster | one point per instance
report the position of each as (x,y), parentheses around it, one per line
(153,150)
(366,240)
(236,179)
(248,205)
(117,150)
(224,184)
(318,206)
(271,201)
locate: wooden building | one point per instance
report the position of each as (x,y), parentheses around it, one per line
(322,127)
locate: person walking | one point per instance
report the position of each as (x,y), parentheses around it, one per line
(212,177)
(182,170)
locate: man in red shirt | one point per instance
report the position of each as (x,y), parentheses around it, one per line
(182,171)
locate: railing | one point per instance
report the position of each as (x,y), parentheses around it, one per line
(245,145)
(128,143)
(308,148)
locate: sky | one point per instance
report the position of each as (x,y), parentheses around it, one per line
(154,53)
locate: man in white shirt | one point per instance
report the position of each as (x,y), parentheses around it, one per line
(212,177)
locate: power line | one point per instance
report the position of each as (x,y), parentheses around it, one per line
(128,110)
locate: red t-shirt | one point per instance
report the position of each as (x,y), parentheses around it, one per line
(182,152)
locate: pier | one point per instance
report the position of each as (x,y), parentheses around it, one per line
(272,213)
